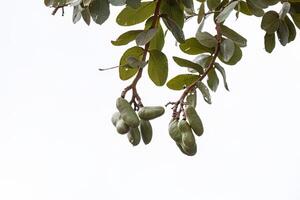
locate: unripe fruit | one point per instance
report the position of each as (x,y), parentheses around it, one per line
(151,112)
(115,118)
(122,127)
(190,151)
(194,120)
(191,99)
(146,131)
(188,138)
(134,136)
(174,131)
(127,113)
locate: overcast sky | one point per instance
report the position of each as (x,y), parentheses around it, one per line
(57,142)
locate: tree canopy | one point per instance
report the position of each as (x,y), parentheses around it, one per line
(212,51)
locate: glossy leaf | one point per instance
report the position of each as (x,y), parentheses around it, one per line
(158,67)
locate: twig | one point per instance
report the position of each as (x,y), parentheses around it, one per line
(136,100)
(180,102)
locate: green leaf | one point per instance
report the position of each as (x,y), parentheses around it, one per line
(158,67)
(117,2)
(227,49)
(191,99)
(258,12)
(223,73)
(283,33)
(236,57)
(125,72)
(174,11)
(206,39)
(158,40)
(234,36)
(192,47)
(270,22)
(291,27)
(201,13)
(181,81)
(269,42)
(213,4)
(174,28)
(188,4)
(86,15)
(99,10)
(76,14)
(212,80)
(145,36)
(135,63)
(133,3)
(127,37)
(226,11)
(204,91)
(129,16)
(189,64)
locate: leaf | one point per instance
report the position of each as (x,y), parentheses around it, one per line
(226,11)
(127,37)
(86,15)
(269,42)
(283,33)
(223,73)
(206,39)
(213,4)
(145,36)
(203,60)
(270,22)
(174,28)
(204,91)
(234,36)
(189,64)
(201,13)
(76,14)
(129,16)
(99,10)
(213,80)
(292,29)
(125,72)
(117,2)
(191,46)
(188,4)
(135,63)
(236,57)
(133,3)
(181,81)
(158,40)
(191,99)
(158,67)
(174,11)
(227,49)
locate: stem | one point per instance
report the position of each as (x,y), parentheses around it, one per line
(180,102)
(136,100)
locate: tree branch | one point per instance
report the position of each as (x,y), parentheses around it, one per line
(178,105)
(136,100)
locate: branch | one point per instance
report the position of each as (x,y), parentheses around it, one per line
(180,102)
(136,100)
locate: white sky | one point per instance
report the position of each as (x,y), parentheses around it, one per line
(57,142)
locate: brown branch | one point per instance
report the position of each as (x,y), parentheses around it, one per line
(136,100)
(180,102)
(57,8)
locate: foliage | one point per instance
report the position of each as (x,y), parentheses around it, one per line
(203,75)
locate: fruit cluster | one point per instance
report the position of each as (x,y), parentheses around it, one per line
(135,124)
(182,131)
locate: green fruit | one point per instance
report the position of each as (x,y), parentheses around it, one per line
(191,99)
(115,118)
(127,113)
(188,139)
(146,131)
(122,127)
(186,150)
(174,131)
(134,136)
(194,120)
(151,112)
